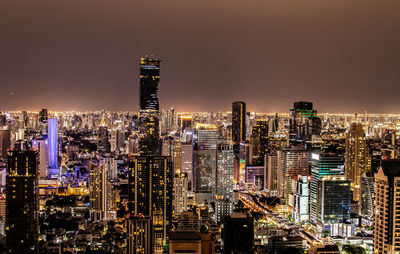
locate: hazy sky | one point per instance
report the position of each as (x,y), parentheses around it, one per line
(78,54)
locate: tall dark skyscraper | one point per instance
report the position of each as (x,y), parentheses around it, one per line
(238,134)
(149,78)
(150,188)
(22,210)
(304,123)
(238,121)
(149,108)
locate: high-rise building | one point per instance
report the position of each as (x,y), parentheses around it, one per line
(333,201)
(102,195)
(322,164)
(43,116)
(387,208)
(224,180)
(52,148)
(367,195)
(173,148)
(274,174)
(5,143)
(304,123)
(41,146)
(295,161)
(204,160)
(238,133)
(181,184)
(259,143)
(149,107)
(22,210)
(150,188)
(187,162)
(357,160)
(140,239)
(301,198)
(103,145)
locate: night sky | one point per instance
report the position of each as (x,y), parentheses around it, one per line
(84,55)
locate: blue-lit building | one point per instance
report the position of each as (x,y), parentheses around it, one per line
(322,164)
(52,148)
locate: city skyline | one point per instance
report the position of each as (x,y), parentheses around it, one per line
(340,55)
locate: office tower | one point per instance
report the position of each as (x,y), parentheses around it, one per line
(357,160)
(140,229)
(238,133)
(237,233)
(111,166)
(150,188)
(41,146)
(238,122)
(387,208)
(367,195)
(5,143)
(103,145)
(204,160)
(185,122)
(187,160)
(301,208)
(295,161)
(274,174)
(52,148)
(149,108)
(322,164)
(275,124)
(101,193)
(224,180)
(181,183)
(43,116)
(22,211)
(173,148)
(304,123)
(258,143)
(333,200)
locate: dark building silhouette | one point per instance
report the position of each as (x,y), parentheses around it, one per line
(103,146)
(238,233)
(259,142)
(149,107)
(150,188)
(5,139)
(22,210)
(238,121)
(43,116)
(304,123)
(140,235)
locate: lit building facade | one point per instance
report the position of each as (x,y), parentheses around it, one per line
(387,208)
(357,160)
(22,210)
(301,198)
(151,189)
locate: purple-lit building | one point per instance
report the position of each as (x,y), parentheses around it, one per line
(52,148)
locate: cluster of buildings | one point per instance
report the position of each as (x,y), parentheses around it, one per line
(159,181)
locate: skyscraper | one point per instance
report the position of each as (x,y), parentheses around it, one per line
(357,160)
(41,146)
(150,188)
(140,235)
(22,210)
(103,146)
(52,147)
(304,123)
(5,139)
(387,208)
(238,121)
(259,143)
(149,108)
(204,160)
(238,134)
(322,164)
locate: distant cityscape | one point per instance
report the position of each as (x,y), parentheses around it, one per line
(155,180)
